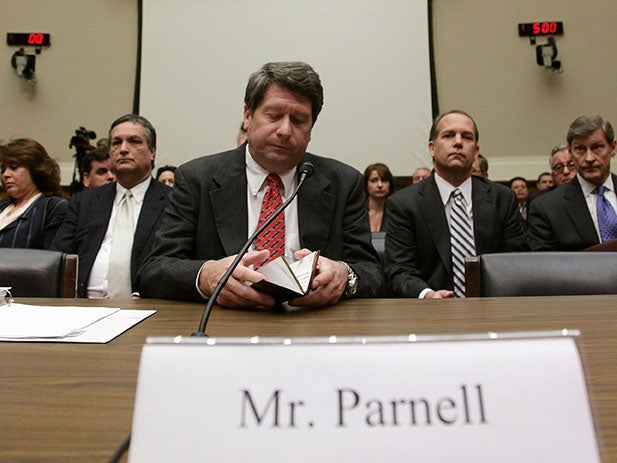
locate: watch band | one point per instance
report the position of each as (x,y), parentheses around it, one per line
(352,281)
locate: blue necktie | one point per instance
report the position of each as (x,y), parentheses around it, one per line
(607,219)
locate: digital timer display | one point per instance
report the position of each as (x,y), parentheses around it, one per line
(540,28)
(28,39)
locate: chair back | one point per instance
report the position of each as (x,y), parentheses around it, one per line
(38,272)
(541,274)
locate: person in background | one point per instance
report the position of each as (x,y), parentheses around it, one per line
(218,200)
(241,135)
(580,213)
(34,209)
(521,190)
(434,225)
(166,175)
(479,167)
(563,167)
(545,181)
(563,170)
(420,174)
(112,227)
(96,168)
(102,143)
(378,185)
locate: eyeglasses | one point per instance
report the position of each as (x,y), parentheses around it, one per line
(560,167)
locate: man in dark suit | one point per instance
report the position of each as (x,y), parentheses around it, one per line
(90,228)
(419,248)
(566,219)
(217,199)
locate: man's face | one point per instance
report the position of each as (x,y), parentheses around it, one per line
(520,190)
(100,174)
(129,151)
(279,129)
(455,147)
(545,182)
(420,174)
(563,168)
(592,155)
(475,170)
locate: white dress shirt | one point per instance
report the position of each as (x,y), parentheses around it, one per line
(97,283)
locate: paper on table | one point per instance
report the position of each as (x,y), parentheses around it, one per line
(83,324)
(35,321)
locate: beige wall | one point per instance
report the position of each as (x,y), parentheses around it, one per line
(87,75)
(85,78)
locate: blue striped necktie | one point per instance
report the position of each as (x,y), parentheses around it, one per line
(461,240)
(607,219)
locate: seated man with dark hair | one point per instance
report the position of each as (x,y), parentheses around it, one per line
(452,214)
(96,168)
(219,200)
(112,227)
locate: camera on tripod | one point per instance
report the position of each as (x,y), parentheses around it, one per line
(81,138)
(81,142)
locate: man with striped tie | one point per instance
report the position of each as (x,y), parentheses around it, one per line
(581,213)
(435,224)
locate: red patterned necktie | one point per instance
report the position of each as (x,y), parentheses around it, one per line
(273,237)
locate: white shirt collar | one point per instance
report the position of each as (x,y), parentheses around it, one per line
(256,176)
(445,189)
(138,191)
(588,187)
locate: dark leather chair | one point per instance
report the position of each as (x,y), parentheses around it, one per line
(541,274)
(38,272)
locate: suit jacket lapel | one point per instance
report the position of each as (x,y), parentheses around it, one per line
(154,202)
(483,207)
(578,212)
(434,215)
(315,212)
(100,217)
(229,203)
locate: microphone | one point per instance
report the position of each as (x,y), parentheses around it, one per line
(305,170)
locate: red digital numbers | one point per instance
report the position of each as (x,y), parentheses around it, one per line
(35,39)
(544,28)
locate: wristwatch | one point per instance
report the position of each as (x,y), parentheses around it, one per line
(352,282)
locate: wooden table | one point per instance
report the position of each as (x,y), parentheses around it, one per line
(74,402)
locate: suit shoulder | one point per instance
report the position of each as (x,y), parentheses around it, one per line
(212,160)
(327,165)
(90,195)
(160,188)
(556,196)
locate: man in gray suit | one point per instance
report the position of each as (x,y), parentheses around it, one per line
(216,202)
(90,225)
(419,250)
(566,219)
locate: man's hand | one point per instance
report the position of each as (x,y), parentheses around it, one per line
(236,293)
(328,285)
(440,294)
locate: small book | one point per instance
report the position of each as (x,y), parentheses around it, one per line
(287,281)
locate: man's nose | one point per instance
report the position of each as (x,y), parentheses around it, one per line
(284,127)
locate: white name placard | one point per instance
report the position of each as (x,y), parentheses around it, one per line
(379,400)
